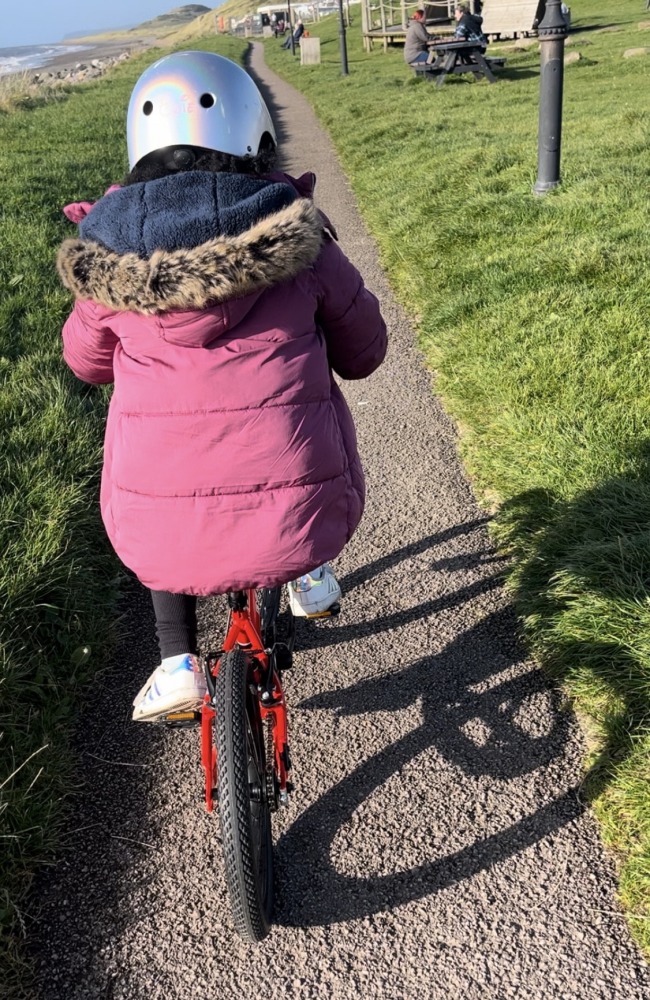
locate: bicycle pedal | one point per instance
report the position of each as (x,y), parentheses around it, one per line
(283,656)
(181,720)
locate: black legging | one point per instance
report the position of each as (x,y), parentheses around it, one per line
(175,622)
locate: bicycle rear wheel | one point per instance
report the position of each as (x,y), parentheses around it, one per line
(243,803)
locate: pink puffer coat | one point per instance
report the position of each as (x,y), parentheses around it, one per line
(230,454)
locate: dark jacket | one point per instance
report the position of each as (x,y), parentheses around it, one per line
(470,29)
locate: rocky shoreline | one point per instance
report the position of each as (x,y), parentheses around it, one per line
(79,72)
(81,67)
(60,72)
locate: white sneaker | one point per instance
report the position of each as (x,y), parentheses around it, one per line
(313,594)
(177,685)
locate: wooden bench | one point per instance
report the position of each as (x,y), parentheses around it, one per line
(423,69)
(441,68)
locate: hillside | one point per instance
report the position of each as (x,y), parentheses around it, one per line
(206,23)
(173,19)
(160,27)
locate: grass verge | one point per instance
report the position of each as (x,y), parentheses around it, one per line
(58,580)
(534,315)
(18,91)
(532,312)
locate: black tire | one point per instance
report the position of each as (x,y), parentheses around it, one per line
(243,805)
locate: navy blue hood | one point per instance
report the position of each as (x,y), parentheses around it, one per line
(182,211)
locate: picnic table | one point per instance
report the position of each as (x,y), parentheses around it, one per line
(454,55)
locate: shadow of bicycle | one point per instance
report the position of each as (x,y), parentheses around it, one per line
(477,708)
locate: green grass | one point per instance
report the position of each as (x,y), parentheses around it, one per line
(58,579)
(534,314)
(17,90)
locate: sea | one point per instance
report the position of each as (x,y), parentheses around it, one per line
(24,57)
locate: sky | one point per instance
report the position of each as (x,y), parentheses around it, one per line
(39,21)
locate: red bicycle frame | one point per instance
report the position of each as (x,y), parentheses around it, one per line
(244,631)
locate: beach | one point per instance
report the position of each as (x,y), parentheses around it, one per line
(59,57)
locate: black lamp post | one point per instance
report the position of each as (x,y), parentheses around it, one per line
(552,33)
(344,49)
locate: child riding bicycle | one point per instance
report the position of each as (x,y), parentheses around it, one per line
(213,294)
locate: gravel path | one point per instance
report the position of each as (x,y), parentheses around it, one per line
(437,846)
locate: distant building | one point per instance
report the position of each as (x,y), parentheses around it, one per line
(281,11)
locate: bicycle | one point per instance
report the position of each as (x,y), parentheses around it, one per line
(244,748)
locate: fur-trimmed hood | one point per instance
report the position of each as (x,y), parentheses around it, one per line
(126,266)
(230,455)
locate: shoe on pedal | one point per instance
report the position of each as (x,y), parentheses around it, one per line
(314,594)
(177,685)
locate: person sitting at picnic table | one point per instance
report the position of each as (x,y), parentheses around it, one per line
(469,27)
(297,35)
(416,46)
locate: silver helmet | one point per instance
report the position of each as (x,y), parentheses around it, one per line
(196,99)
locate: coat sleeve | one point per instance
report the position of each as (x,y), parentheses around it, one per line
(349,316)
(89,343)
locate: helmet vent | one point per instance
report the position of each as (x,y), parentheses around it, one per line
(206,100)
(147,107)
